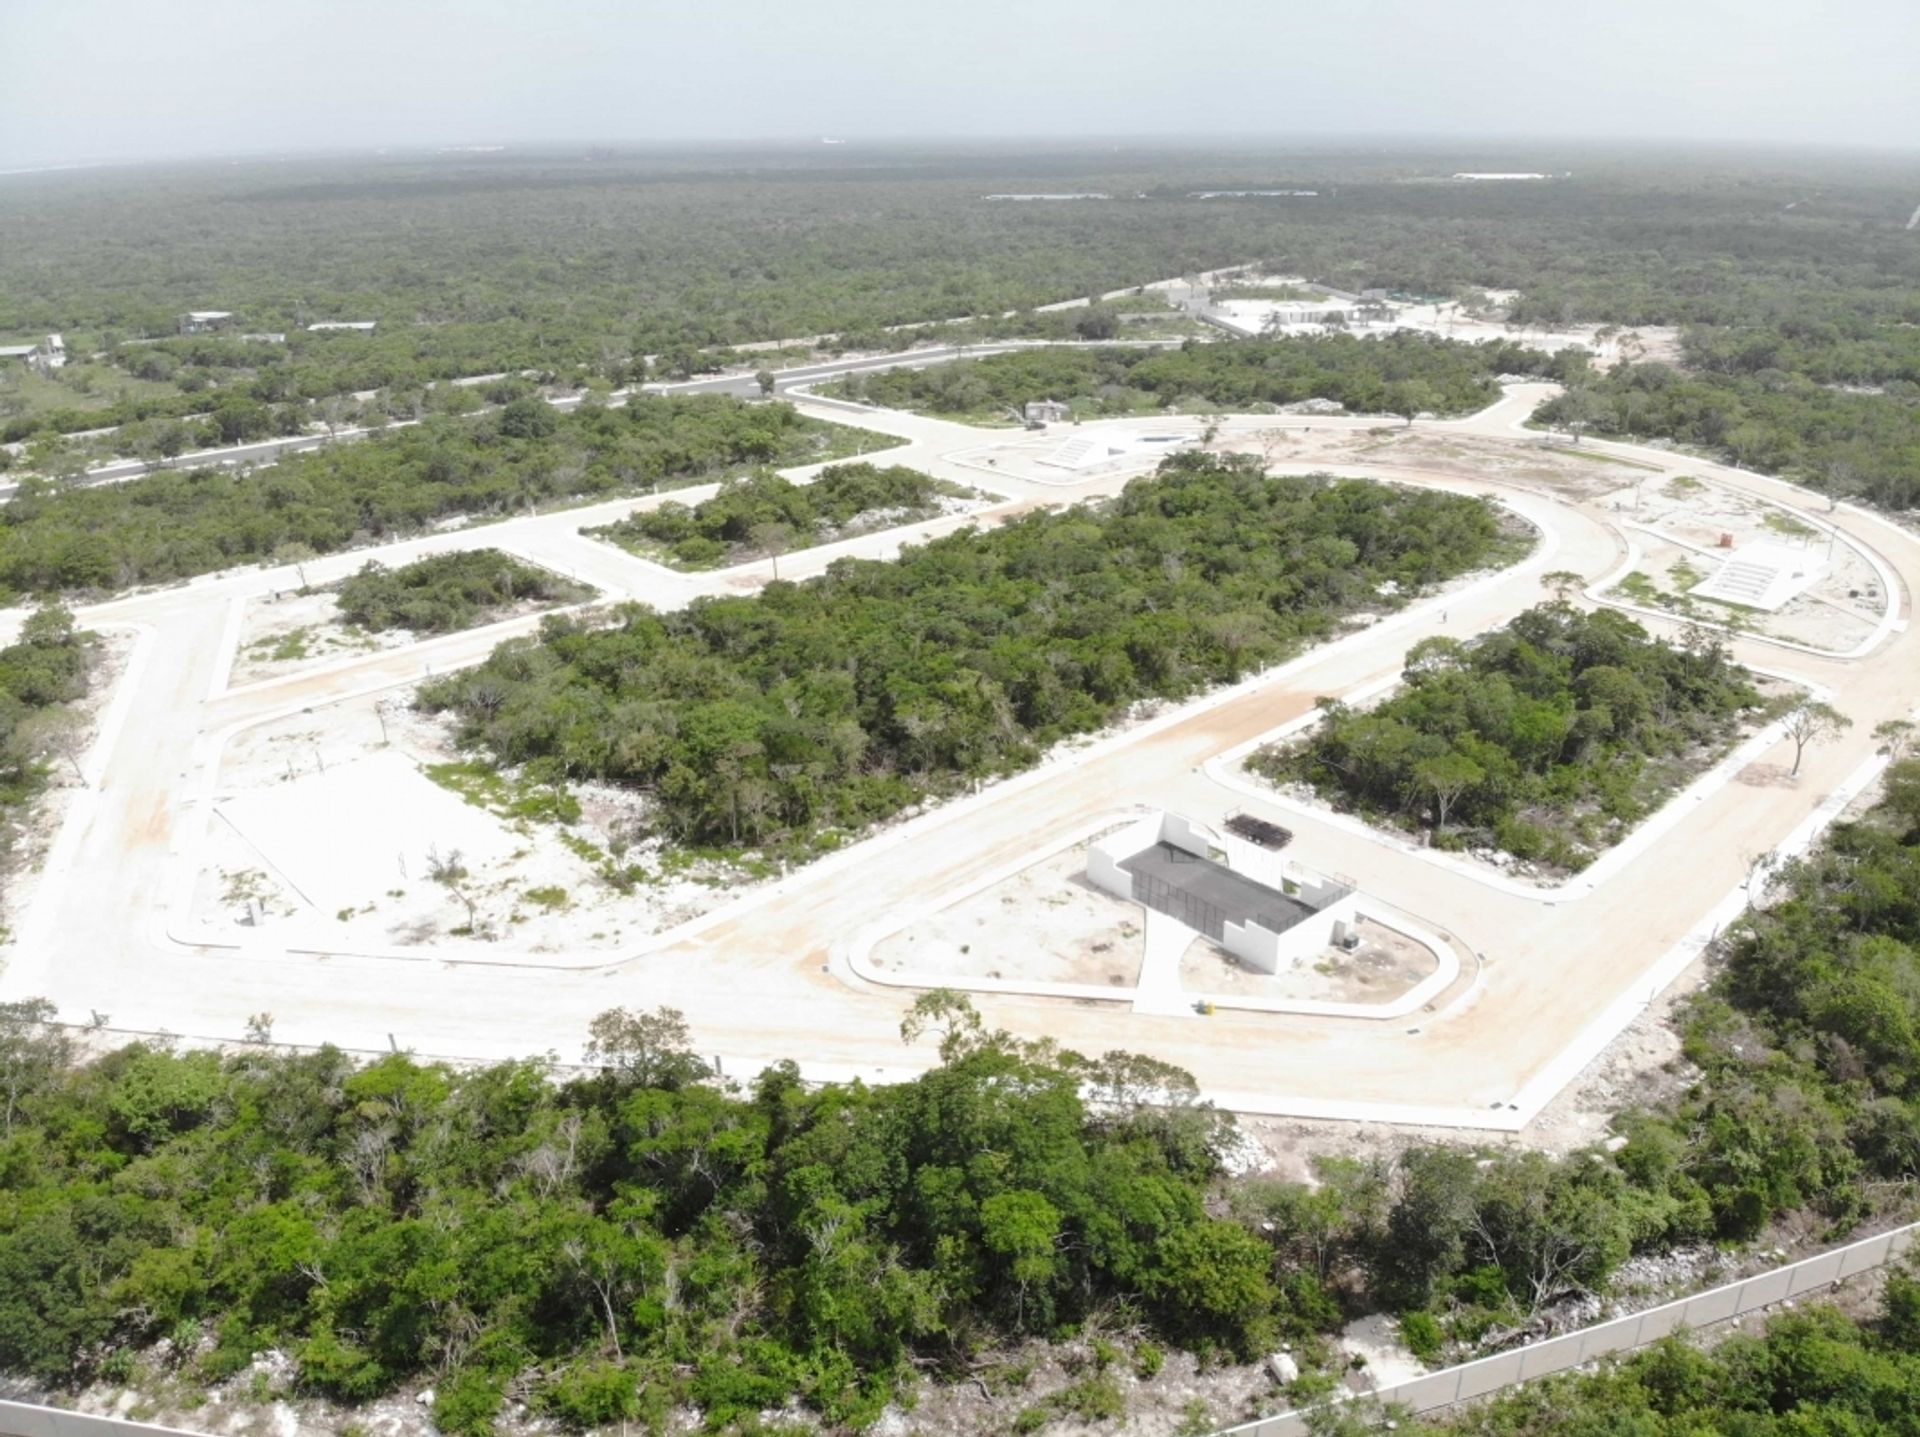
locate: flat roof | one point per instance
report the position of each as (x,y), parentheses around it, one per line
(1212,885)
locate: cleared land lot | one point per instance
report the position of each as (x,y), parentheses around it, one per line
(757,978)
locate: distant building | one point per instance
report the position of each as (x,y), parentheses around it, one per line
(1047,411)
(1500,175)
(267,337)
(364,326)
(51,354)
(205,321)
(21,352)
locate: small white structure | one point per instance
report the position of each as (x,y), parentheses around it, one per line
(1265,909)
(364,326)
(204,321)
(19,351)
(50,355)
(1046,411)
(1764,575)
(1500,175)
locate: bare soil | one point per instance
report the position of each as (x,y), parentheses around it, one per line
(1385,965)
(1046,924)
(546,897)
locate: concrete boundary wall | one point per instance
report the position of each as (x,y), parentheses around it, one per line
(26,1419)
(1453,1385)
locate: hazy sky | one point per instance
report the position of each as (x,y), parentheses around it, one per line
(96,79)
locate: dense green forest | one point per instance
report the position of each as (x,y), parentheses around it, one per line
(812,709)
(445,592)
(42,675)
(1396,373)
(1849,444)
(766,514)
(174,524)
(1547,739)
(1791,275)
(613,1246)
(575,264)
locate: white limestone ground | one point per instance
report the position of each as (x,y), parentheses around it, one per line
(1679,527)
(288,631)
(1386,964)
(336,832)
(1450,320)
(1046,924)
(285,632)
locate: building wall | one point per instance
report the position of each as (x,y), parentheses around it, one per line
(1185,835)
(1268,952)
(1105,855)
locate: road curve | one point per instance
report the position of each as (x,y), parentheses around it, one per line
(755,979)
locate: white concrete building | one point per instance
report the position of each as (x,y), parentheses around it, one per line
(204,321)
(364,326)
(1264,908)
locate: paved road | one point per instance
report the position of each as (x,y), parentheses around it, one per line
(741,386)
(756,979)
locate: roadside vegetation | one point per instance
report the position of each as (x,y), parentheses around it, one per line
(446,592)
(764,514)
(1400,374)
(793,717)
(1816,1371)
(1855,442)
(172,525)
(612,1247)
(1548,739)
(43,675)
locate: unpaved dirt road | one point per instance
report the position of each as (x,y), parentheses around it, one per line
(108,933)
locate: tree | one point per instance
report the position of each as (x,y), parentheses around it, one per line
(34,1054)
(1561,583)
(1578,409)
(951,1015)
(450,873)
(1896,738)
(645,1049)
(764,378)
(773,540)
(1409,398)
(296,554)
(1444,779)
(528,417)
(1811,721)
(53,733)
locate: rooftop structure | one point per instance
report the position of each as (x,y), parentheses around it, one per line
(1500,175)
(1268,911)
(1046,411)
(200,321)
(364,326)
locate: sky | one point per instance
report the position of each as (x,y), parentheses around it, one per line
(92,80)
